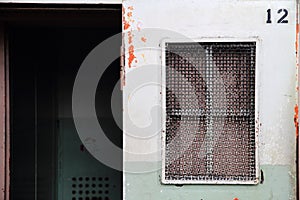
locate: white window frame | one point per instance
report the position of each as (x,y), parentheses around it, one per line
(163,103)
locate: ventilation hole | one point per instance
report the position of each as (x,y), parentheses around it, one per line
(87,185)
(94,198)
(80,178)
(80,192)
(87,178)
(73,198)
(100,185)
(94,178)
(106,185)
(100,191)
(106,198)
(73,192)
(100,198)
(80,185)
(87,198)
(74,186)
(106,192)
(106,178)
(74,179)
(87,192)
(80,198)
(100,178)
(93,192)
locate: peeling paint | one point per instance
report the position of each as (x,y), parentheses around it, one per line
(131,55)
(130,36)
(296,121)
(129,14)
(144,39)
(130,7)
(126,18)
(126,24)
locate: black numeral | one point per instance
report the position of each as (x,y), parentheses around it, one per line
(269,21)
(282,19)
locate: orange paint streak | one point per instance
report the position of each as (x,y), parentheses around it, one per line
(131,55)
(130,7)
(129,14)
(236,199)
(126,25)
(296,120)
(144,39)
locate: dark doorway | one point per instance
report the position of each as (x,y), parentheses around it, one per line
(48,160)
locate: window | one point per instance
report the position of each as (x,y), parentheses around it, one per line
(209,131)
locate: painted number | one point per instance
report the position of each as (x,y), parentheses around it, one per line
(283,13)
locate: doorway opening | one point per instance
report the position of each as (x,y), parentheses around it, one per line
(47,158)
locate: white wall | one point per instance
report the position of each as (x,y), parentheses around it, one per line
(65,1)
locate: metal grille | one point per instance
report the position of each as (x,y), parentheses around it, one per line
(90,188)
(210,112)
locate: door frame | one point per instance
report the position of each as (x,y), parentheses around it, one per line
(4,116)
(38,15)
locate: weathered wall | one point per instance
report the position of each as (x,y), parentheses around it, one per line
(65,1)
(276,91)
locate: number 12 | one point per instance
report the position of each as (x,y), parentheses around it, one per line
(281,20)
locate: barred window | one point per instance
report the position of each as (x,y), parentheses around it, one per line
(209,98)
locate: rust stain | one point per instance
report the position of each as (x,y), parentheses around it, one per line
(131,55)
(126,24)
(130,37)
(296,120)
(144,39)
(130,7)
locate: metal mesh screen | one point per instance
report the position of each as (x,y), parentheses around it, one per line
(210,112)
(90,188)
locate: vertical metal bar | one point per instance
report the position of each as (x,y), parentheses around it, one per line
(298,94)
(209,117)
(2,113)
(7,119)
(35,134)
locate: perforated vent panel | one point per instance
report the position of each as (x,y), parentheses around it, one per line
(210,113)
(90,188)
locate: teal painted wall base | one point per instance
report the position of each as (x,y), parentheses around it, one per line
(277,185)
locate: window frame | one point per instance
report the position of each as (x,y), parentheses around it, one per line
(163,104)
